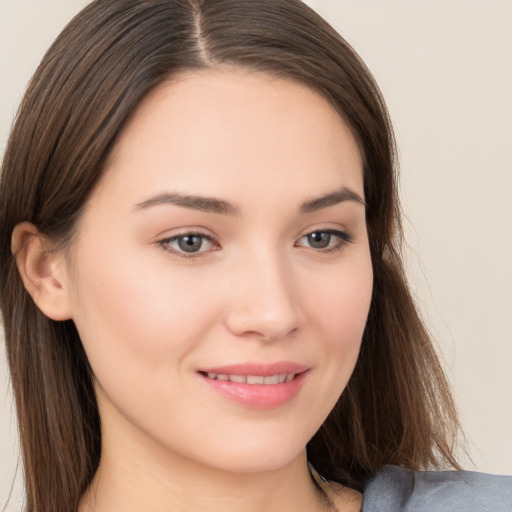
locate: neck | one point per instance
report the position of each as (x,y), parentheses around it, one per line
(134,485)
(137,474)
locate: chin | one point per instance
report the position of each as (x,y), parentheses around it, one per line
(252,462)
(263,453)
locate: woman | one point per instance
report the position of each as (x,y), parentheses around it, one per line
(201,202)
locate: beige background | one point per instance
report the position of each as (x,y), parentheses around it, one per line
(445,68)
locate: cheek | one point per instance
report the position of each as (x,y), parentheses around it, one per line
(340,299)
(339,305)
(139,322)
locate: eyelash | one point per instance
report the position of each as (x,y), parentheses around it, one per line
(344,237)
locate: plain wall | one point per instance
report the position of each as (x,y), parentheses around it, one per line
(445,68)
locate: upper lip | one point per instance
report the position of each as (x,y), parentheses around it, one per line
(261,369)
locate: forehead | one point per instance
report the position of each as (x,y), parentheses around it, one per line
(216,132)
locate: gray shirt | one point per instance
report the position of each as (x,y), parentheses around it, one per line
(400,490)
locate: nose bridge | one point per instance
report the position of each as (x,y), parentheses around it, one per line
(266,302)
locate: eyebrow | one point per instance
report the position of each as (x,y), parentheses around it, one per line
(339,196)
(201,203)
(219,206)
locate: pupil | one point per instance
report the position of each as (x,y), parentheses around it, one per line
(190,243)
(319,240)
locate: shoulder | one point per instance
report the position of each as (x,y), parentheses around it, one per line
(401,490)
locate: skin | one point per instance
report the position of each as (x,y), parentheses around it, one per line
(150,316)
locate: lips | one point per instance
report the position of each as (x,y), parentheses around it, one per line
(257,385)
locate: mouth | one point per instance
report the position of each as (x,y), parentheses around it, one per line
(257,386)
(278,378)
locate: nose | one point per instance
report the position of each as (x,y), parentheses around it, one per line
(265,302)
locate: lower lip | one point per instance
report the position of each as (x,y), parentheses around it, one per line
(259,396)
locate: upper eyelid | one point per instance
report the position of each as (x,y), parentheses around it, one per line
(187,231)
(325,230)
(198,232)
(341,232)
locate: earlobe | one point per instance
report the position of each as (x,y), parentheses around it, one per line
(43,272)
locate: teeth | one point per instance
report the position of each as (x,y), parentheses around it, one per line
(253,379)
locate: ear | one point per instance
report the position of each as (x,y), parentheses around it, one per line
(43,272)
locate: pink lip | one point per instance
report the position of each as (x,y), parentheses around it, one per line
(260,396)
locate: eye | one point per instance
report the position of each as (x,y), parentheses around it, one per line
(327,240)
(188,244)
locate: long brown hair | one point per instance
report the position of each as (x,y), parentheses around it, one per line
(397,407)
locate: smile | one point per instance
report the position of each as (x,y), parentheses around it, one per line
(260,386)
(279,378)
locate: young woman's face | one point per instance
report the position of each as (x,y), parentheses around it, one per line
(224,252)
